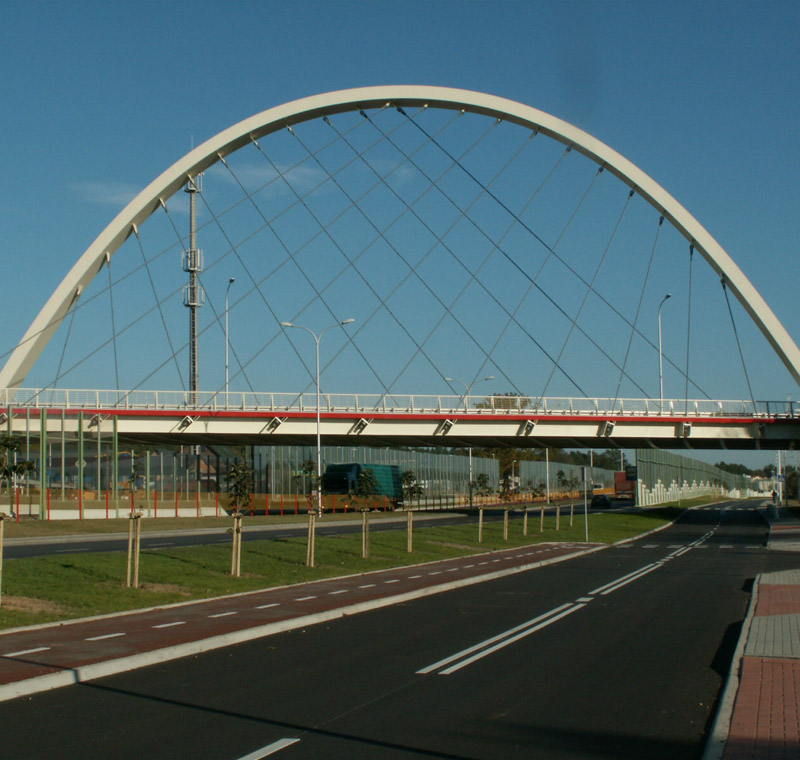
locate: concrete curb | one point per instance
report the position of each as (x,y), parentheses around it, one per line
(720,728)
(113,667)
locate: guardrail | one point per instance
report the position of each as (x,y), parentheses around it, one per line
(77,399)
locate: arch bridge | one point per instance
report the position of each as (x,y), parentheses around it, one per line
(439,234)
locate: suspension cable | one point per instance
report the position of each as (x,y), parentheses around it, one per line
(64,348)
(589,289)
(565,263)
(113,319)
(160,310)
(516,265)
(688,328)
(394,249)
(738,344)
(639,307)
(439,240)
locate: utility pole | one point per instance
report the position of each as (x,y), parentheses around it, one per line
(193,295)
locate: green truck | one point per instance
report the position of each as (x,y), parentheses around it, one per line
(343,478)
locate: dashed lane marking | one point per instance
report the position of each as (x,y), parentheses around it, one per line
(106,636)
(270,749)
(223,614)
(271,604)
(26,651)
(169,625)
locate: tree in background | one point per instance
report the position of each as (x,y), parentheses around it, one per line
(411,488)
(9,446)
(239,479)
(366,485)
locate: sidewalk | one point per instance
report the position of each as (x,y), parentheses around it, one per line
(759,713)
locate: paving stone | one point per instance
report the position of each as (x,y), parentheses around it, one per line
(774,636)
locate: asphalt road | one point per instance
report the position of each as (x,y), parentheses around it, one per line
(616,654)
(113,543)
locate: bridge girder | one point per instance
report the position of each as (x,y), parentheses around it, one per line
(438,430)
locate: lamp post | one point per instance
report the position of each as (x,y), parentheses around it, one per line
(660,354)
(227,342)
(317,339)
(468,389)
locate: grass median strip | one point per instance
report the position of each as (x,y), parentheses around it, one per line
(64,586)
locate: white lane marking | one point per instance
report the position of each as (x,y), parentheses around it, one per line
(435,572)
(726,546)
(368,585)
(521,635)
(223,614)
(453,570)
(340,591)
(492,640)
(630,580)
(467,566)
(25,651)
(270,749)
(411,577)
(584,599)
(107,636)
(650,546)
(394,580)
(305,598)
(169,625)
(601,589)
(267,606)
(483,563)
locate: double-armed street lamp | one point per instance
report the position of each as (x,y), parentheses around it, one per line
(468,389)
(317,339)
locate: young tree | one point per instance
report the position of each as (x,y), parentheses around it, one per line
(240,485)
(366,485)
(481,485)
(309,468)
(411,487)
(8,467)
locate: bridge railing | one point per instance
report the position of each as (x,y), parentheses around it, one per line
(77,399)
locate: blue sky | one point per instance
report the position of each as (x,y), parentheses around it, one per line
(100,97)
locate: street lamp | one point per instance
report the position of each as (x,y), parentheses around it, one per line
(227,342)
(317,339)
(660,354)
(468,388)
(466,408)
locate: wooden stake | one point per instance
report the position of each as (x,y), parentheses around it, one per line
(2,518)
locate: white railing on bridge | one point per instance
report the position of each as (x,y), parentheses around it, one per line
(60,398)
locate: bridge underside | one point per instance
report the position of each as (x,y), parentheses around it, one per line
(451,430)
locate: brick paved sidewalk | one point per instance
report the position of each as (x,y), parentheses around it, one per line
(766,716)
(759,716)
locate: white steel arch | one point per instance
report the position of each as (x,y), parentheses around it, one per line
(198,160)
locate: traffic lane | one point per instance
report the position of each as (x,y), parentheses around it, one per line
(82,545)
(287,672)
(631,674)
